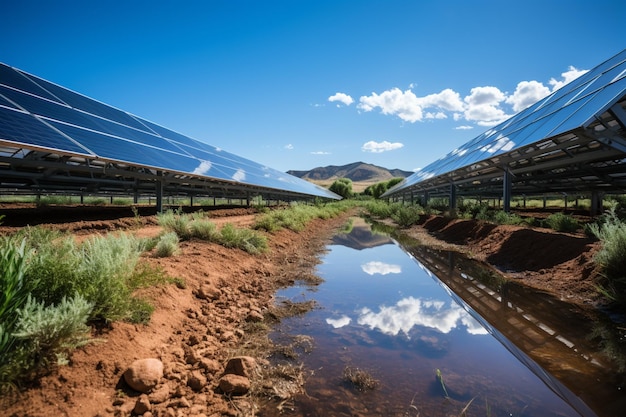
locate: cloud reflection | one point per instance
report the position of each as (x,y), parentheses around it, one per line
(377,267)
(340,322)
(410,312)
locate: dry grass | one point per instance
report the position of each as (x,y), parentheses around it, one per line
(360,379)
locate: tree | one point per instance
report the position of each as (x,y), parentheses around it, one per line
(342,187)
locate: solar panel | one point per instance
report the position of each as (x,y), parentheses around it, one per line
(38,114)
(575,105)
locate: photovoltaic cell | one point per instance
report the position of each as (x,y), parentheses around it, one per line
(43,115)
(19,127)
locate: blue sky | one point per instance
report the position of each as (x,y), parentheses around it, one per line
(301,84)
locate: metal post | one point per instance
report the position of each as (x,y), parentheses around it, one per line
(159,192)
(507,184)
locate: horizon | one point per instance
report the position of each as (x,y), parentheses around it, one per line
(302,85)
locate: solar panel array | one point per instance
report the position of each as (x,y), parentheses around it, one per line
(40,115)
(573,106)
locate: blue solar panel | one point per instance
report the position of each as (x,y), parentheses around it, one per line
(38,113)
(575,105)
(19,127)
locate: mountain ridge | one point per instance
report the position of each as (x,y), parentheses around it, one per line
(361,174)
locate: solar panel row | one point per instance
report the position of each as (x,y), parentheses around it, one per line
(37,114)
(573,106)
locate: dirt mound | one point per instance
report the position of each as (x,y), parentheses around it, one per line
(559,263)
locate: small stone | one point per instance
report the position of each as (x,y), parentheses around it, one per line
(196,381)
(241,365)
(234,384)
(160,394)
(144,374)
(142,405)
(210,365)
(254,316)
(208,292)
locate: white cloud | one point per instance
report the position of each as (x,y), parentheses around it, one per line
(483,106)
(464,127)
(569,75)
(341,98)
(320,153)
(378,147)
(526,94)
(405,104)
(203,168)
(340,322)
(376,267)
(289,146)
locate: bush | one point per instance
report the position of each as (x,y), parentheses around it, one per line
(406,216)
(245,239)
(612,256)
(51,332)
(562,222)
(167,245)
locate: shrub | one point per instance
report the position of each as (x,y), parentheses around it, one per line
(51,332)
(502,217)
(175,222)
(167,245)
(612,256)
(562,222)
(244,239)
(203,229)
(407,215)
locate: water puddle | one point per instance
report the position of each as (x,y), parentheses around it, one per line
(442,337)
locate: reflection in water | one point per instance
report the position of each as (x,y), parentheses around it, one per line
(377,267)
(513,351)
(411,312)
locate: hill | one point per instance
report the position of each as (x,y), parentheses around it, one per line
(361,174)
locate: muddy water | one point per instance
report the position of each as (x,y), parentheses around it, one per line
(442,337)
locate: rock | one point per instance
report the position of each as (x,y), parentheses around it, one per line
(255,316)
(144,374)
(161,394)
(241,365)
(142,405)
(234,384)
(210,365)
(196,381)
(208,292)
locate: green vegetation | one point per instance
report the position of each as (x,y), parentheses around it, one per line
(342,187)
(380,188)
(196,225)
(50,289)
(298,215)
(562,222)
(611,231)
(167,245)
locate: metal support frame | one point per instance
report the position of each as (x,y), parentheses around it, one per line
(507,186)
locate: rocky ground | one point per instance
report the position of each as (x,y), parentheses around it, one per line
(197,327)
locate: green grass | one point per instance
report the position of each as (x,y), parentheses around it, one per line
(196,225)
(297,216)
